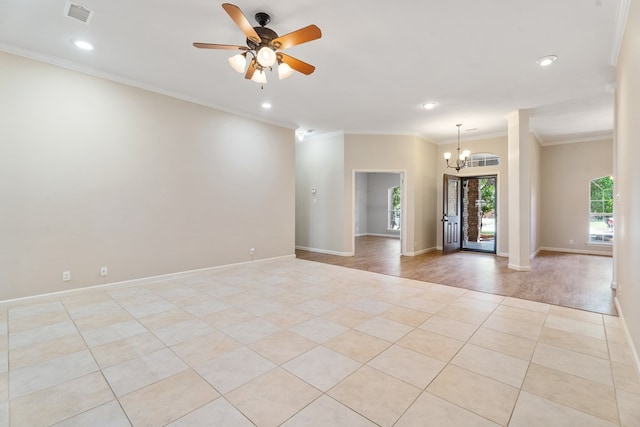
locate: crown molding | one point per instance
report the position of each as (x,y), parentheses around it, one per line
(621,22)
(596,136)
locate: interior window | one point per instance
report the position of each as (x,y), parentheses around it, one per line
(394,203)
(601,221)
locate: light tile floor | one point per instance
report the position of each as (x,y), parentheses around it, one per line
(298,343)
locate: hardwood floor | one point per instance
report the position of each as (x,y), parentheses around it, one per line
(559,278)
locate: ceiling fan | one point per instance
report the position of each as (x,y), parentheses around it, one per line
(264,46)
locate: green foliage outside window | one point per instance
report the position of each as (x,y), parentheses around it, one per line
(487,195)
(601,220)
(396,198)
(602,195)
(395,202)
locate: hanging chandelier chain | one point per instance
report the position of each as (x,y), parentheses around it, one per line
(461,158)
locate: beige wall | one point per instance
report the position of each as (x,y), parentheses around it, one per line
(394,153)
(426,214)
(536,194)
(627,176)
(319,219)
(94,173)
(567,170)
(328,163)
(496,146)
(362,183)
(555,179)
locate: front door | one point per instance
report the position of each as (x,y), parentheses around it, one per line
(451,214)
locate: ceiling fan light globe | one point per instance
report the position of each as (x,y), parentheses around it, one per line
(238,62)
(284,71)
(266,56)
(259,77)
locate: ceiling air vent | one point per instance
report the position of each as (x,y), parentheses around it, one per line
(76,11)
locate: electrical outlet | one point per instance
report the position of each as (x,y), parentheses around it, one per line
(103,271)
(66,276)
(571,241)
(252,251)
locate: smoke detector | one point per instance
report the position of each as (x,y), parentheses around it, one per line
(78,12)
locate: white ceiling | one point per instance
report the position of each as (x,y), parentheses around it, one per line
(377,60)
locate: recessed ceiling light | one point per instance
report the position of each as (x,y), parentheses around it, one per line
(429,105)
(266,105)
(84,45)
(545,61)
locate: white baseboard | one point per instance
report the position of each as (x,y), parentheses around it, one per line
(519,267)
(393,236)
(141,280)
(634,351)
(420,252)
(535,254)
(324,251)
(576,251)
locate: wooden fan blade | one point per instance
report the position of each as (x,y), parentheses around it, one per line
(219,46)
(241,21)
(303,35)
(253,66)
(296,64)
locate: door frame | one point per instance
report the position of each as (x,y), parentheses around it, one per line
(466,173)
(403,214)
(496,216)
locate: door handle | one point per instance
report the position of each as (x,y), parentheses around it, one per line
(444,218)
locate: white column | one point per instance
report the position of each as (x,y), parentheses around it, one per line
(519,191)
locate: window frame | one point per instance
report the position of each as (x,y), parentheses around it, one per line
(480,160)
(394,214)
(604,234)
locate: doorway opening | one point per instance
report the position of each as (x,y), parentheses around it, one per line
(378,211)
(479,218)
(469,213)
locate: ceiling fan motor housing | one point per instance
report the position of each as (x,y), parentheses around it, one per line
(266,35)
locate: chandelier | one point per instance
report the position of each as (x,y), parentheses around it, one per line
(461,160)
